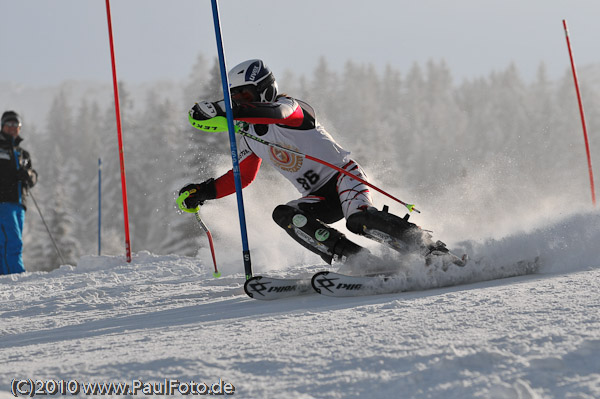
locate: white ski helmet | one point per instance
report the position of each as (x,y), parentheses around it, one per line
(253,78)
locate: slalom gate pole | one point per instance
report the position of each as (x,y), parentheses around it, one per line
(99,206)
(234,154)
(410,207)
(47,228)
(119,134)
(582,114)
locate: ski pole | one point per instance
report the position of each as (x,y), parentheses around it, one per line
(216,125)
(47,229)
(216,273)
(203,226)
(410,207)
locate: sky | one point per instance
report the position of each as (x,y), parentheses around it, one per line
(48,42)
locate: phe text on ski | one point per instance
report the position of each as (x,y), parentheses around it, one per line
(167,387)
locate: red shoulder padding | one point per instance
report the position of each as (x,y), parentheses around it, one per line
(249,166)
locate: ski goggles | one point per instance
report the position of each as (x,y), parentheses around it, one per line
(244,94)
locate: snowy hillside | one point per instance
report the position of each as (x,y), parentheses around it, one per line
(165,317)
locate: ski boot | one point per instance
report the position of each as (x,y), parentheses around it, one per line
(401,235)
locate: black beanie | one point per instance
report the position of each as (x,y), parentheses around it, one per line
(10,116)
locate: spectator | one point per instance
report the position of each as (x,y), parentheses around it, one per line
(16,178)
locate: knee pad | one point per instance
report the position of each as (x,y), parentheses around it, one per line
(283,215)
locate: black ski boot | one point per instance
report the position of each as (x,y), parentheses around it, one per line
(315,235)
(401,235)
(391,230)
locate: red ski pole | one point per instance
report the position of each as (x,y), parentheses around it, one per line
(216,273)
(180,204)
(410,207)
(216,125)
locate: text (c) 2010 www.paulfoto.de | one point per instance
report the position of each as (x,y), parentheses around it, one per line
(31,388)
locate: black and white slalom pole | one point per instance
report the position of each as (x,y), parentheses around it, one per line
(232,144)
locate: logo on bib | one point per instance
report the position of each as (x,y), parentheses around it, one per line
(287,161)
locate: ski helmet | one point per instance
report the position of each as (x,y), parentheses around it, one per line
(10,116)
(253,79)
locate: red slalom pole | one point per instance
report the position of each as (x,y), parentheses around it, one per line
(119,134)
(585,135)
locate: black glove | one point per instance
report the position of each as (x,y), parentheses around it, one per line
(199,193)
(205,110)
(27,176)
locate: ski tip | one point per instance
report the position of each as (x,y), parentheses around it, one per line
(313,282)
(247,288)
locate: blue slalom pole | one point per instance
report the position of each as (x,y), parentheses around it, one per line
(99,206)
(232,144)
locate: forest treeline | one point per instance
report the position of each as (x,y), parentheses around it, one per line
(415,129)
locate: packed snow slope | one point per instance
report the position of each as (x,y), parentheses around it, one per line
(463,333)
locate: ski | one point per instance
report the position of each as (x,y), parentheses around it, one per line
(342,285)
(324,282)
(337,284)
(269,288)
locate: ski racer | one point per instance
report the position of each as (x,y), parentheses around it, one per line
(327,195)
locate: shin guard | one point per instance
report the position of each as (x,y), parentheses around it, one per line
(315,235)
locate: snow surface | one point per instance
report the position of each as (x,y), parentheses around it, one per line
(165,317)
